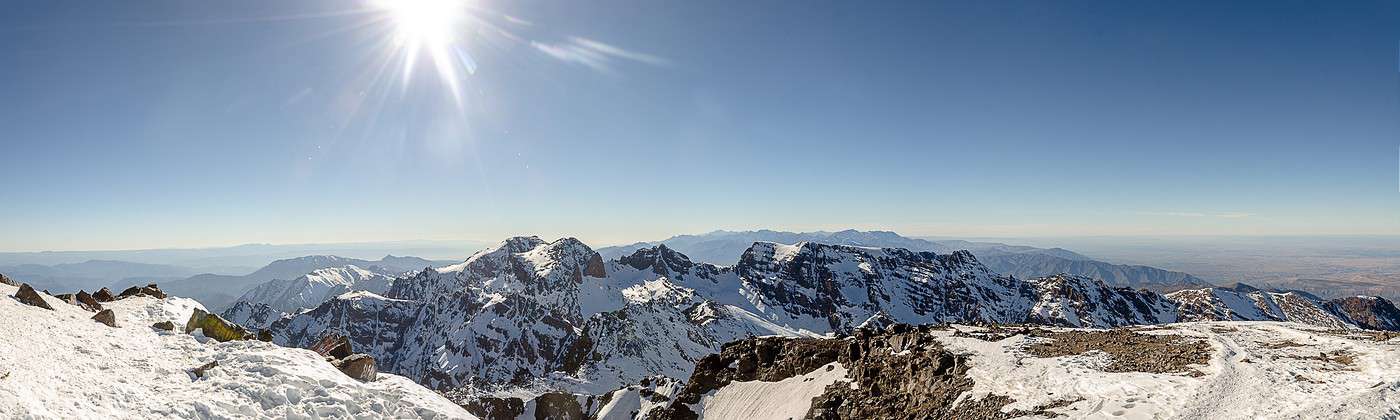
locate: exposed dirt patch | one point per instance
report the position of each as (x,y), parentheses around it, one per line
(1282,345)
(1338,359)
(1129,351)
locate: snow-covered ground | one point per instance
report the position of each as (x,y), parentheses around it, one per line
(786,399)
(1257,370)
(60,364)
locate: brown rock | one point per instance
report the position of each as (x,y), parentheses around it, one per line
(104,295)
(334,345)
(7,280)
(199,371)
(129,292)
(164,325)
(28,296)
(359,366)
(153,291)
(106,317)
(87,301)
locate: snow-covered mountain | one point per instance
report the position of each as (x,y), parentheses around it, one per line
(60,364)
(219,291)
(724,247)
(528,316)
(269,301)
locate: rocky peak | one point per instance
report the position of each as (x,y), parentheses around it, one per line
(660,259)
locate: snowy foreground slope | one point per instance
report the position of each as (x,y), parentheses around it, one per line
(1216,370)
(61,364)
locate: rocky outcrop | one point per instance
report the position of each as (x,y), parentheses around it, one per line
(148,290)
(164,326)
(1367,312)
(104,295)
(106,317)
(28,296)
(7,280)
(901,372)
(87,301)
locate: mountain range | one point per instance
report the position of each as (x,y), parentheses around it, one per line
(217,291)
(723,247)
(529,318)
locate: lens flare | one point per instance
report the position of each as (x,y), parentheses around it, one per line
(427,27)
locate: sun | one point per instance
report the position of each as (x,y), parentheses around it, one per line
(426,27)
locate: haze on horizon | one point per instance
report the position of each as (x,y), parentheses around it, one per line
(172,124)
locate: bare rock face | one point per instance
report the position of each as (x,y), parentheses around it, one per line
(104,295)
(7,280)
(106,316)
(359,366)
(164,326)
(28,296)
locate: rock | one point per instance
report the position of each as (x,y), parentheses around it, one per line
(334,345)
(7,280)
(28,296)
(215,327)
(104,295)
(106,316)
(359,366)
(87,301)
(265,336)
(129,292)
(195,318)
(66,298)
(199,371)
(147,290)
(164,325)
(153,291)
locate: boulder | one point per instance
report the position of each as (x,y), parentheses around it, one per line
(28,296)
(147,290)
(104,295)
(106,316)
(333,345)
(215,327)
(359,366)
(164,325)
(153,291)
(7,280)
(87,301)
(129,292)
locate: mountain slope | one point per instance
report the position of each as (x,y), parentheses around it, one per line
(1028,265)
(60,364)
(306,291)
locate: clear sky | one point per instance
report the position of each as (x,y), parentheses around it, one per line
(139,124)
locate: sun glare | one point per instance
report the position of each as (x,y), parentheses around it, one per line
(426,27)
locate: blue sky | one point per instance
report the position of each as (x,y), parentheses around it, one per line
(176,124)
